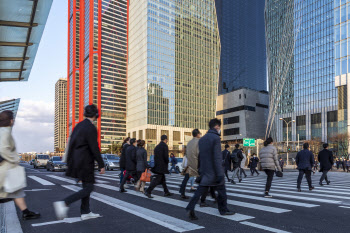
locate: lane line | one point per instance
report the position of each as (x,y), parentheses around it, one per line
(66,220)
(346,207)
(183,204)
(36,190)
(262,227)
(73,181)
(41,181)
(164,220)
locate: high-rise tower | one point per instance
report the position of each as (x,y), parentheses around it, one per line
(60,115)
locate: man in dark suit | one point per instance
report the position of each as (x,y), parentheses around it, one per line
(161,161)
(211,170)
(130,164)
(226,161)
(81,153)
(305,161)
(325,157)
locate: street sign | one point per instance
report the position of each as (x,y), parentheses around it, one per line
(249,142)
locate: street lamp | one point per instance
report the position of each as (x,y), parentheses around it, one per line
(287,123)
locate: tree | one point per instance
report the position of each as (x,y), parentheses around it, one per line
(340,143)
(315,145)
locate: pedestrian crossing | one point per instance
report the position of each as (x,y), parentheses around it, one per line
(242,197)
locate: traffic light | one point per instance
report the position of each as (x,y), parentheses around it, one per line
(288,148)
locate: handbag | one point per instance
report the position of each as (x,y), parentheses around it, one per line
(146,176)
(15,179)
(279,174)
(184,171)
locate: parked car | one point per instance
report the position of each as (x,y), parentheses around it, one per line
(111,161)
(55,164)
(40,161)
(178,166)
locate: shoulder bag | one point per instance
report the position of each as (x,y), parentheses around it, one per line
(146,176)
(15,179)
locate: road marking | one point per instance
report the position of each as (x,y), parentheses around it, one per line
(346,207)
(107,178)
(164,220)
(102,181)
(245,204)
(11,221)
(183,204)
(66,220)
(40,180)
(36,190)
(263,227)
(62,179)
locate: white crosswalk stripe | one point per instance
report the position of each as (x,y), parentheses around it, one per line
(73,181)
(40,180)
(164,220)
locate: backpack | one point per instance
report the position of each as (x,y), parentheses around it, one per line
(234,157)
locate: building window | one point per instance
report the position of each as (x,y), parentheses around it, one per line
(332,124)
(176,136)
(301,127)
(240,96)
(234,131)
(151,134)
(129,135)
(245,96)
(140,134)
(134,134)
(316,126)
(164,132)
(231,120)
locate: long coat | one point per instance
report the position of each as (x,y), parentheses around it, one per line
(83,151)
(161,159)
(226,158)
(210,159)
(305,160)
(192,153)
(268,158)
(325,157)
(130,158)
(9,153)
(141,159)
(122,161)
(254,162)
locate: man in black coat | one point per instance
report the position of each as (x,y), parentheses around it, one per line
(81,153)
(305,161)
(253,164)
(325,157)
(122,161)
(226,161)
(236,159)
(130,164)
(210,170)
(161,161)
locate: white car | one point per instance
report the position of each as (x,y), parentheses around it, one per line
(40,161)
(178,166)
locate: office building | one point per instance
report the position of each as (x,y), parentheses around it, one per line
(301,67)
(173,69)
(243,48)
(11,105)
(243,114)
(60,134)
(97,65)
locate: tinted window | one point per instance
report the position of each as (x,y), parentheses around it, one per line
(112,157)
(179,160)
(43,157)
(56,159)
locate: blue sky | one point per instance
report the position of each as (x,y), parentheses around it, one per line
(34,130)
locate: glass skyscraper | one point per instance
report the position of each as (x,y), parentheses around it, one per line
(309,95)
(173,69)
(243,48)
(97,65)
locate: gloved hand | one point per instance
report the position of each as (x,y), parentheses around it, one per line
(219,179)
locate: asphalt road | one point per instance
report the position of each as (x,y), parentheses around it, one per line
(325,209)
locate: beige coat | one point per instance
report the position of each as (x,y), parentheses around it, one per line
(9,153)
(192,152)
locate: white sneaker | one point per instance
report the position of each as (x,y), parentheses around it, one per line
(89,216)
(61,209)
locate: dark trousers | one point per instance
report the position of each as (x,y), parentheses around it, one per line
(121,175)
(253,169)
(226,174)
(242,172)
(127,174)
(222,198)
(307,175)
(184,183)
(269,179)
(156,180)
(84,195)
(282,169)
(210,189)
(324,176)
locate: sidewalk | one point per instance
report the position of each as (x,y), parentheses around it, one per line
(9,222)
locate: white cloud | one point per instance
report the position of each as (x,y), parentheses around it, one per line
(34,126)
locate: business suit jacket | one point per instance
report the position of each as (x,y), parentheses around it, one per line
(325,157)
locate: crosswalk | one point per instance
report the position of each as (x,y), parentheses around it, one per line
(242,197)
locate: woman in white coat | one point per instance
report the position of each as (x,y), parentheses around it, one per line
(9,159)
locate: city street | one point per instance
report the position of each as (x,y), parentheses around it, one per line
(323,210)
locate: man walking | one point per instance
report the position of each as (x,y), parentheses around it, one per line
(243,165)
(122,162)
(130,164)
(81,153)
(161,160)
(305,161)
(210,170)
(226,161)
(325,157)
(281,161)
(236,159)
(173,162)
(192,152)
(253,164)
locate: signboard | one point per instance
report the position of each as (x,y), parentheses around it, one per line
(249,142)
